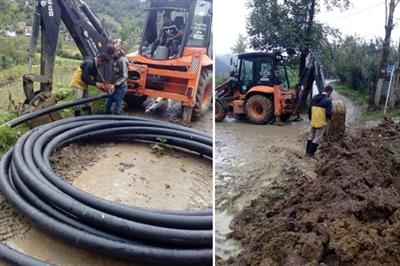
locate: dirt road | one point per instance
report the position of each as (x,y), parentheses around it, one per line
(129,173)
(252,159)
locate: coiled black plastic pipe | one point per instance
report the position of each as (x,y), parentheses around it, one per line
(136,234)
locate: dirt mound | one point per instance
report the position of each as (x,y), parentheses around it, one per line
(349,215)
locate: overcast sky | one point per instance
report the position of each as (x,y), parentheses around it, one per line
(364,17)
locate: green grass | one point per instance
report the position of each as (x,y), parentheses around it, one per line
(378,115)
(360,97)
(293,76)
(219,80)
(17,71)
(62,92)
(9,136)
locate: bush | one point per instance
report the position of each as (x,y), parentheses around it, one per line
(13,51)
(8,136)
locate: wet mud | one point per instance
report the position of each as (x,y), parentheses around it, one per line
(249,159)
(348,215)
(125,172)
(252,160)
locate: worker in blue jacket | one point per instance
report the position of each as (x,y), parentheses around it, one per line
(319,113)
(84,76)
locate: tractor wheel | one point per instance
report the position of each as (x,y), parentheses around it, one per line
(220,112)
(204,94)
(259,109)
(134,102)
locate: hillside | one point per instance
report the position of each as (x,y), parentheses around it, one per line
(123,19)
(222,66)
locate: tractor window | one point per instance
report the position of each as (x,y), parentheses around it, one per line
(284,83)
(164,33)
(256,71)
(246,74)
(265,71)
(201,25)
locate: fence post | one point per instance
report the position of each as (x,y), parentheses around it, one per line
(389,90)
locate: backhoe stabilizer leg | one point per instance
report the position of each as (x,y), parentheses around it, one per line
(187,115)
(278,120)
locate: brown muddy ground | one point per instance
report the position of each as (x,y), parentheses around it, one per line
(348,215)
(251,160)
(122,172)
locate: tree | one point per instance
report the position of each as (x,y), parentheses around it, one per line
(289,24)
(240,46)
(393,96)
(356,62)
(375,93)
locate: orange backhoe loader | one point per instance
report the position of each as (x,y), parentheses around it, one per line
(168,65)
(259,88)
(184,74)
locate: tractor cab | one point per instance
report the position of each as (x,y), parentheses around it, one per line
(174,61)
(258,88)
(173,25)
(259,69)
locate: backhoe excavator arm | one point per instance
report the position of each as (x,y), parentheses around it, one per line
(312,72)
(87,32)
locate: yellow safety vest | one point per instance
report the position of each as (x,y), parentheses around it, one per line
(318,117)
(77,81)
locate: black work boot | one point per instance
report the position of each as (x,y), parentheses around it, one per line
(77,112)
(308,146)
(313,148)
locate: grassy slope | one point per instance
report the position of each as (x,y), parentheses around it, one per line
(17,71)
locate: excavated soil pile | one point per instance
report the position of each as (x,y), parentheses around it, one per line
(349,215)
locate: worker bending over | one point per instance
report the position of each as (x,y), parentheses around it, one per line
(319,113)
(84,76)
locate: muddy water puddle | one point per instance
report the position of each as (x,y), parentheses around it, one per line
(132,174)
(249,158)
(127,173)
(225,247)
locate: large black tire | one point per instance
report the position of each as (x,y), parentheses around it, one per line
(220,112)
(259,109)
(134,102)
(204,94)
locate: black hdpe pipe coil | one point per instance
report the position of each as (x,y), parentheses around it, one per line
(135,234)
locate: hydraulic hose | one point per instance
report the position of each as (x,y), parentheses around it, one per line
(136,234)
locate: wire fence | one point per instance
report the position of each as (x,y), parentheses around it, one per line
(12,93)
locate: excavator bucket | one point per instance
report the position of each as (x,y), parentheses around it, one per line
(41,100)
(337,125)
